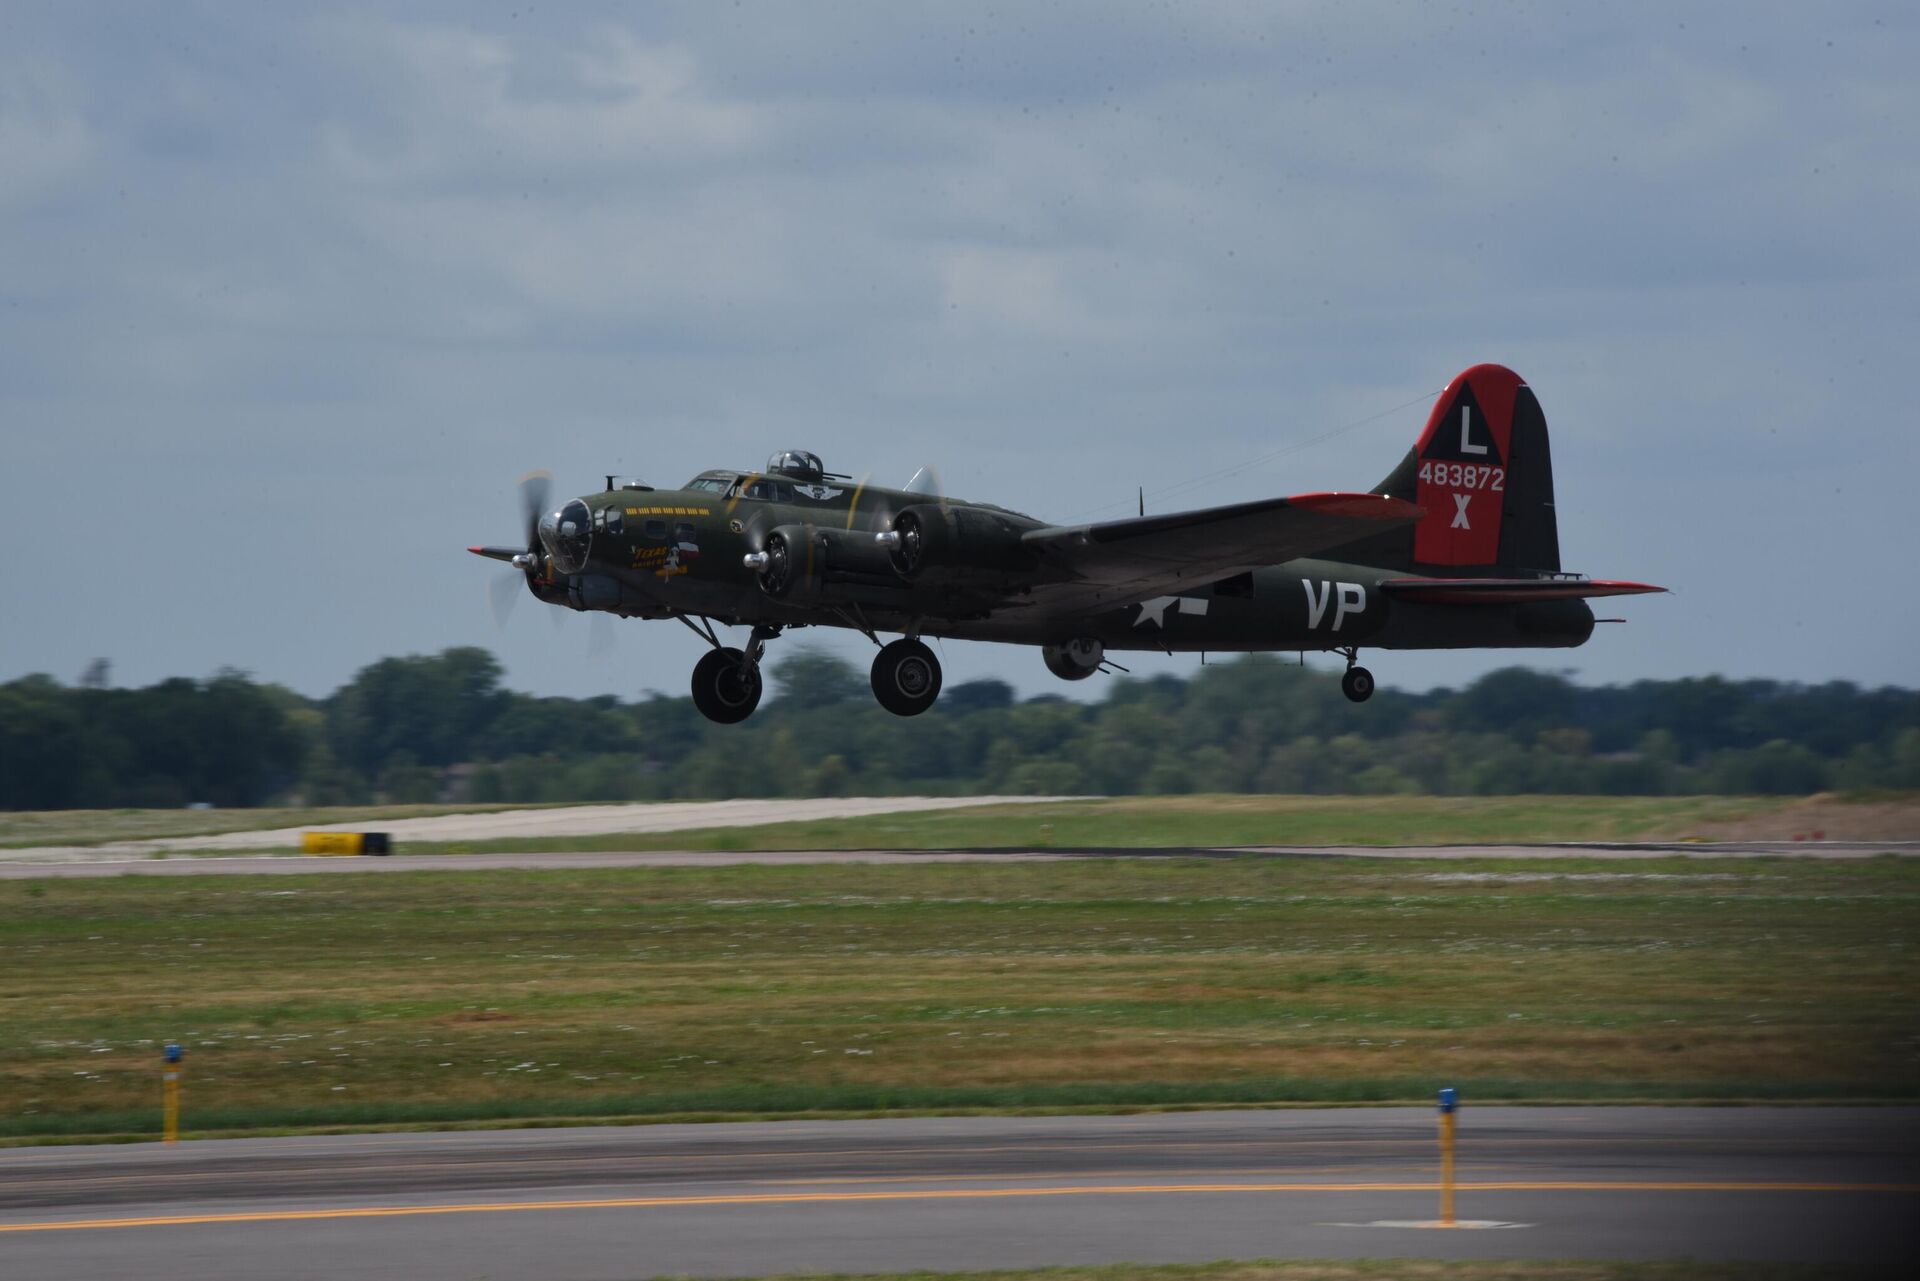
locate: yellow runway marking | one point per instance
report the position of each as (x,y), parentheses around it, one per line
(942,1194)
(614,1167)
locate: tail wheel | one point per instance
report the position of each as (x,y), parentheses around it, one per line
(1357,684)
(906,677)
(726,687)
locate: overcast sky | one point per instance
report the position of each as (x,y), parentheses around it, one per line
(290,297)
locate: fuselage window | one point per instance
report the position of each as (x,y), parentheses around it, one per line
(614,520)
(1238,585)
(656,529)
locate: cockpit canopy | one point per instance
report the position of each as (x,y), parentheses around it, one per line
(797,463)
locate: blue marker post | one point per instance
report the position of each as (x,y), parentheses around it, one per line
(1449,1102)
(170,1132)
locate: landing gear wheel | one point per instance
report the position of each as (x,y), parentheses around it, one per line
(1357,684)
(906,677)
(726,687)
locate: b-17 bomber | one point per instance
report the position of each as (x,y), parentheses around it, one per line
(1458,548)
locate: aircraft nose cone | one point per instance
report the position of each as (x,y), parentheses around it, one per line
(567,535)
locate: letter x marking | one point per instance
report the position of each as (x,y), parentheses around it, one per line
(1460,512)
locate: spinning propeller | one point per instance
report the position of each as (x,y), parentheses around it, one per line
(901,536)
(535,567)
(925,484)
(503,590)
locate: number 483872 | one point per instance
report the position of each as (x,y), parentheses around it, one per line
(1464,475)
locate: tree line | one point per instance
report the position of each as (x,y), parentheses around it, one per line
(442,727)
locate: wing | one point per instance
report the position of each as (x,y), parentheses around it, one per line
(1126,560)
(1507,591)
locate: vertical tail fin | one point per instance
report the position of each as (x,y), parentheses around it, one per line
(1484,473)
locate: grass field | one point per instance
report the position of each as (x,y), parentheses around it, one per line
(476,996)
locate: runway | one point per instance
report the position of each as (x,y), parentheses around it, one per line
(296,865)
(1838,1184)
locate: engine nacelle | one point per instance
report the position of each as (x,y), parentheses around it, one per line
(932,536)
(797,562)
(1076,660)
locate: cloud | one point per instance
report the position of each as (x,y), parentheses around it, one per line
(327,283)
(474,114)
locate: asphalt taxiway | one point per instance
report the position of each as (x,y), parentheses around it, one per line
(1836,1184)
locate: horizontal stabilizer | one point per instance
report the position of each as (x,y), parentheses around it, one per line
(1508,591)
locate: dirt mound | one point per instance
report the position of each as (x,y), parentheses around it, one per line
(1824,817)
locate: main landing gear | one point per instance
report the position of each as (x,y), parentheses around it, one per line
(906,677)
(726,681)
(1357,683)
(727,686)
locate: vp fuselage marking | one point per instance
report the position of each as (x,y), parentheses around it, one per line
(1347,598)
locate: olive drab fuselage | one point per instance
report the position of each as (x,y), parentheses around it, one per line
(656,553)
(1457,548)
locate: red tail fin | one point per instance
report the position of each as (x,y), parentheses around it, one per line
(1462,470)
(1483,472)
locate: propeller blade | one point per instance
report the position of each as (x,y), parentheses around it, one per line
(599,636)
(503,592)
(875,510)
(535,488)
(926,482)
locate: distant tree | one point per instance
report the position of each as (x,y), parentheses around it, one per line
(436,709)
(810,677)
(1255,723)
(1904,765)
(976,696)
(46,747)
(1516,701)
(1778,768)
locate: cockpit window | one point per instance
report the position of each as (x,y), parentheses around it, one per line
(709,484)
(772,491)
